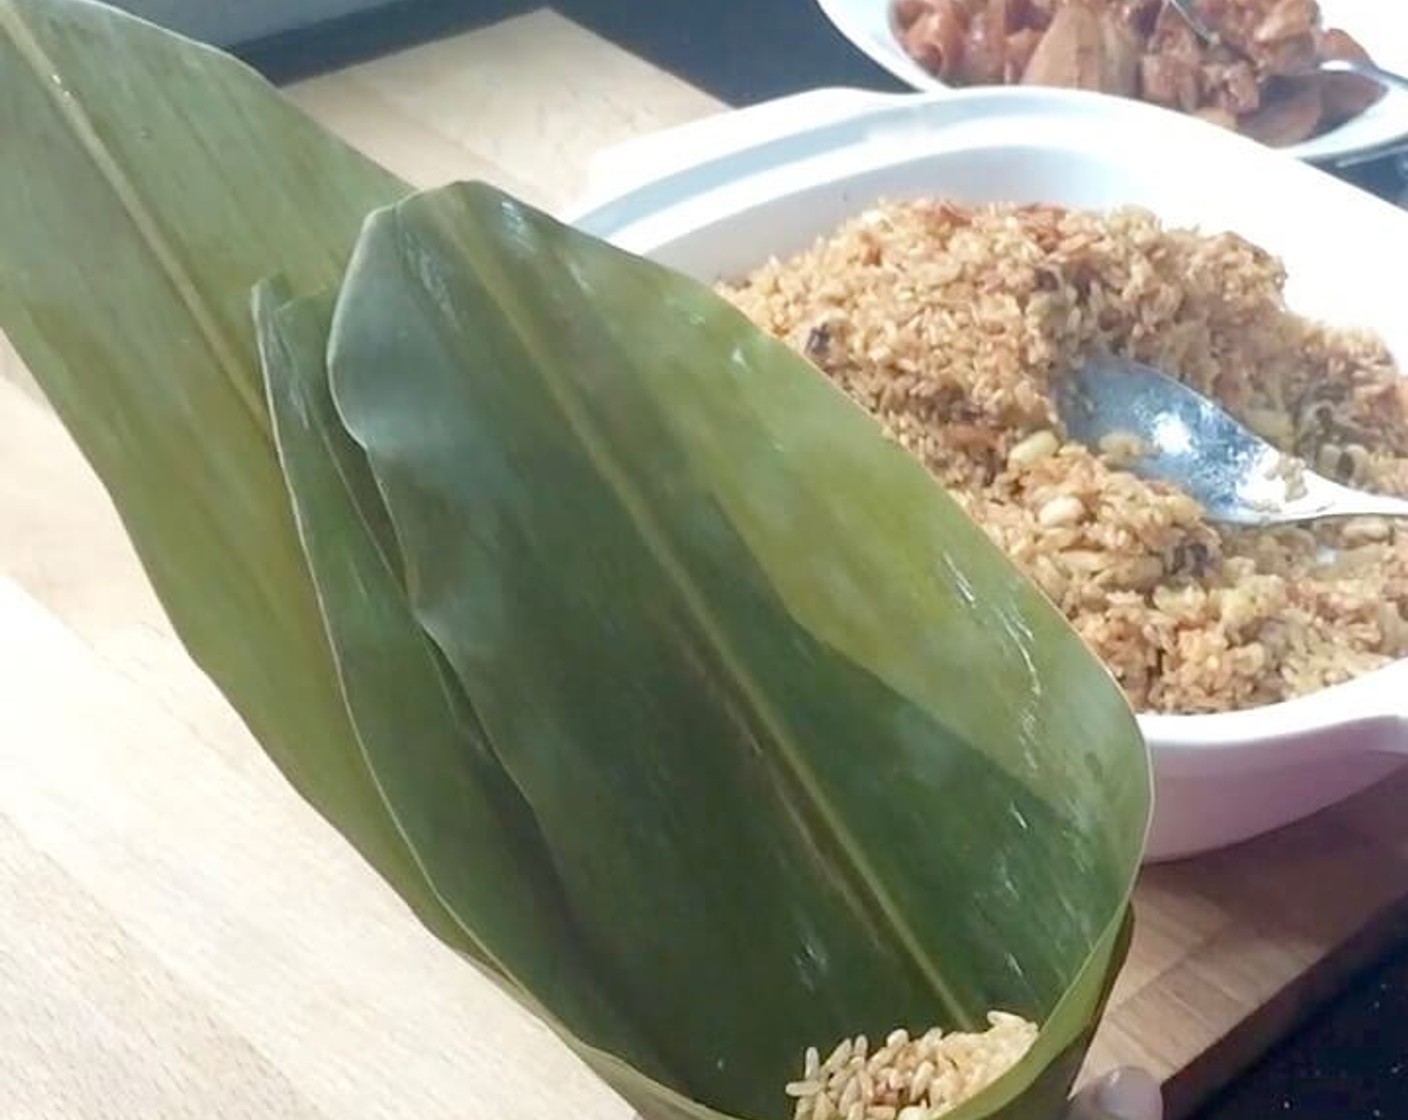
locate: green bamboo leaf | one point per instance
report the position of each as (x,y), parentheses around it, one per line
(409,709)
(147,184)
(776,746)
(469,828)
(810,757)
(1039,1087)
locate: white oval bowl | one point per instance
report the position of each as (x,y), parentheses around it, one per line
(716,198)
(1380,25)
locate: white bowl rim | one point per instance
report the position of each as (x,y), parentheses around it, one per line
(1378,696)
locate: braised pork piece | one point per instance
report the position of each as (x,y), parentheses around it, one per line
(1252,79)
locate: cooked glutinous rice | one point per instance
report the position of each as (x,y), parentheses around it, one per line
(951,324)
(908,1078)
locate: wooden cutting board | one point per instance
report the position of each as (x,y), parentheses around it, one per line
(184,938)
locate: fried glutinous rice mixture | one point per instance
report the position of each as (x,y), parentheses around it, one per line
(950,325)
(920,1078)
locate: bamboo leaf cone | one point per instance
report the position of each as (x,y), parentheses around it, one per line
(658,683)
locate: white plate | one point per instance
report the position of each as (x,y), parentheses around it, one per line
(716,198)
(1380,25)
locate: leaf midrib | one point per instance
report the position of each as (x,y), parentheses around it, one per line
(578,420)
(48,77)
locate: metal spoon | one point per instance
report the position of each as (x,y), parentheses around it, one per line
(1176,435)
(1386,78)
(1190,16)
(1364,69)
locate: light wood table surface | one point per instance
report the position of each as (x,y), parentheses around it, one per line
(182,937)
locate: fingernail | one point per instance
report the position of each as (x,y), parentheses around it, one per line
(1130,1094)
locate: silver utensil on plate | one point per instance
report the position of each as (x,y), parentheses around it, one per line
(1166,431)
(1364,69)
(1386,78)
(1190,16)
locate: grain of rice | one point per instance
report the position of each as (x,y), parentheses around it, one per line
(952,324)
(1033,448)
(1064,509)
(1119,449)
(1360,530)
(850,1094)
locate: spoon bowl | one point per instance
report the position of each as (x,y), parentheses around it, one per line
(1162,430)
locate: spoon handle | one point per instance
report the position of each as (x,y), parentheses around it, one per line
(1190,16)
(1325,499)
(1373,72)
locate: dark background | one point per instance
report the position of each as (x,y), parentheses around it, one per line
(1350,1062)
